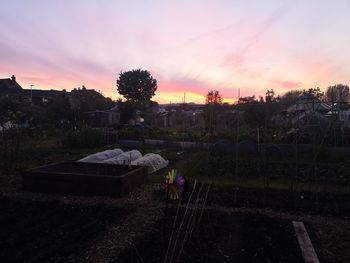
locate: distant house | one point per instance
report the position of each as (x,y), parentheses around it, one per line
(40,100)
(308,110)
(100,118)
(179,114)
(10,86)
(42,97)
(344,117)
(308,103)
(165,118)
(312,119)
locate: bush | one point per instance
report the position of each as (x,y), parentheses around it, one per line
(84,138)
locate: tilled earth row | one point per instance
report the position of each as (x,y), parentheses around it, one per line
(99,229)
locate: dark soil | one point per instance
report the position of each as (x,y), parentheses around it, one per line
(321,203)
(32,231)
(223,237)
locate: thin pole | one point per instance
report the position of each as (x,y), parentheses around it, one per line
(167,198)
(182,222)
(31,94)
(296,145)
(183,122)
(258,137)
(237,133)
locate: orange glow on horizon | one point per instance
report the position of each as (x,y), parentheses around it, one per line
(167,92)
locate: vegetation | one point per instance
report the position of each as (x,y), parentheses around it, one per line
(213,102)
(290,97)
(261,173)
(84,138)
(137,85)
(315,92)
(61,107)
(337,93)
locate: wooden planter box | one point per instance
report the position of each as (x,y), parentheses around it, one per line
(76,178)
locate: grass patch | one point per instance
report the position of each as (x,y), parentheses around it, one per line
(255,173)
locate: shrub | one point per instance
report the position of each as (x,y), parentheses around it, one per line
(84,138)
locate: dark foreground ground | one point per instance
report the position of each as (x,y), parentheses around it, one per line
(248,226)
(221,237)
(33,231)
(317,203)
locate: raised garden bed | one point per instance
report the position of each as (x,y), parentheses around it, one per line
(77,178)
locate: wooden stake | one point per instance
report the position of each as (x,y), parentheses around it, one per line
(305,244)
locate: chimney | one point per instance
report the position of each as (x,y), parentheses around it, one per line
(13,78)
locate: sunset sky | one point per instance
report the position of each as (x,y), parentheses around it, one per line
(188,46)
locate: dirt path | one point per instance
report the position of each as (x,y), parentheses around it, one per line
(122,236)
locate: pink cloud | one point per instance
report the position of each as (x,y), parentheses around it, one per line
(285,85)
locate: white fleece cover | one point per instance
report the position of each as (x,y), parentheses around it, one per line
(101,156)
(154,162)
(124,158)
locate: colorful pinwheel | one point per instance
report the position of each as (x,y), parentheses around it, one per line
(174,184)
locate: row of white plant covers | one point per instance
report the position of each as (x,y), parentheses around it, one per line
(153,162)
(101,156)
(124,158)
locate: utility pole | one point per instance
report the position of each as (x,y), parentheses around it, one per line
(237,134)
(31,94)
(258,137)
(184,119)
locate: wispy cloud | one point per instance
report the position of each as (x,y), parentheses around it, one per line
(191,46)
(211,33)
(236,59)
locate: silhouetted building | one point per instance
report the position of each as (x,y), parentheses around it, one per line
(165,119)
(99,118)
(10,85)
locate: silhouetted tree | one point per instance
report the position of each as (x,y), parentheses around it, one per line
(136,85)
(245,100)
(59,108)
(127,110)
(337,93)
(316,92)
(213,97)
(290,97)
(85,100)
(270,95)
(253,113)
(259,112)
(213,101)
